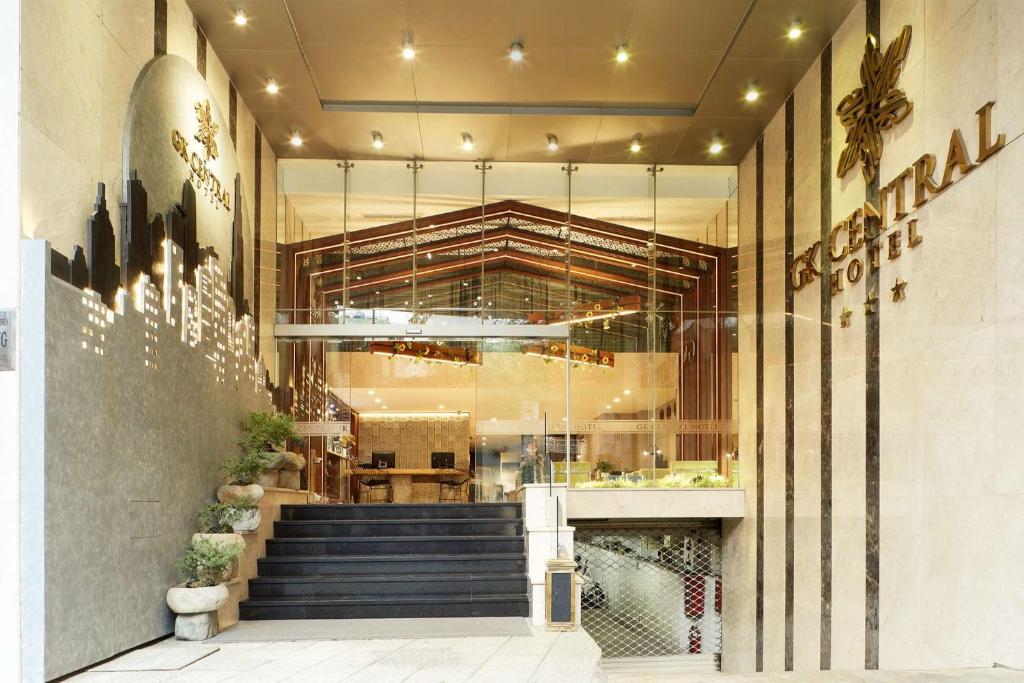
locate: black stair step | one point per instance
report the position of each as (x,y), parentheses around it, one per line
(325,565)
(383,607)
(462,585)
(396,527)
(393,545)
(350,511)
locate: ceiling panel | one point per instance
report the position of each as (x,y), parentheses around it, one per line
(775,79)
(462,23)
(663,76)
(563,75)
(353,134)
(684,24)
(600,24)
(318,141)
(737,134)
(764,34)
(484,75)
(528,137)
(268,29)
(442,136)
(250,69)
(345,72)
(659,137)
(373,23)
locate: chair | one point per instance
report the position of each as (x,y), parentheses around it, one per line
(451,488)
(378,488)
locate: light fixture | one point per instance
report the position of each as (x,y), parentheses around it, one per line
(383,407)
(296,139)
(627,392)
(240,18)
(752,94)
(552,142)
(372,392)
(634,144)
(795,30)
(622,54)
(578,355)
(599,310)
(272,87)
(426,351)
(376,400)
(615,400)
(408,51)
(608,407)
(467,142)
(440,406)
(515,52)
(716,145)
(378,140)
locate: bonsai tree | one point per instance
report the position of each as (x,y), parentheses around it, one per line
(221,518)
(266,431)
(603,467)
(205,563)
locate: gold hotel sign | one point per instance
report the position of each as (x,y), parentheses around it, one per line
(206,135)
(877,106)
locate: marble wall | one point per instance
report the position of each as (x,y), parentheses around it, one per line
(949,499)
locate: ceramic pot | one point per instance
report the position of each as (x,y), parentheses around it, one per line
(250,521)
(229,492)
(184,600)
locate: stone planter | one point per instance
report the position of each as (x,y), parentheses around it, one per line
(184,600)
(197,610)
(223,541)
(250,521)
(269,478)
(292,462)
(229,492)
(289,479)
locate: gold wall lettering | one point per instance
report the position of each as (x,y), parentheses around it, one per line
(202,177)
(865,227)
(876,106)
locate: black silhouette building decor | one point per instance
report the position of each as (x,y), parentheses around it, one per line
(104,277)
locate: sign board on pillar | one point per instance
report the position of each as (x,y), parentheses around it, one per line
(7,336)
(560,595)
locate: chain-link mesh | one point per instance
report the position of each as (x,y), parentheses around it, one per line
(652,591)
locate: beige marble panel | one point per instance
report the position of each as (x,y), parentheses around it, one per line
(807,378)
(119,74)
(1008,116)
(181,32)
(131,24)
(774,281)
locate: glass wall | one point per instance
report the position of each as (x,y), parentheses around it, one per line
(622,276)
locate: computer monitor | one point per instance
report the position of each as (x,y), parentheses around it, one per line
(442,460)
(383,460)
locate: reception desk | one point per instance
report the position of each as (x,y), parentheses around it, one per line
(403,480)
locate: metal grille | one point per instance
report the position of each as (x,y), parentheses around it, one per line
(651,591)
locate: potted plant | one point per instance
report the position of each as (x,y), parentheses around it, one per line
(603,467)
(202,568)
(261,456)
(238,516)
(242,471)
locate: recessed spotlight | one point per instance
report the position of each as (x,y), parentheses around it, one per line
(608,407)
(383,407)
(716,145)
(467,142)
(615,400)
(795,30)
(272,87)
(408,51)
(634,144)
(752,94)
(552,142)
(627,392)
(372,392)
(515,52)
(296,139)
(440,406)
(376,400)
(378,140)
(622,54)
(241,19)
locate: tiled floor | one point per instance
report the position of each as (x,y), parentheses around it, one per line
(950,676)
(561,657)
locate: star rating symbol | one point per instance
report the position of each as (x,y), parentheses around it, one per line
(844,317)
(899,290)
(871,303)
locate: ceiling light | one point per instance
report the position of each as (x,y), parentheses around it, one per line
(376,400)
(795,30)
(752,94)
(515,52)
(552,142)
(467,142)
(240,18)
(716,145)
(608,407)
(408,51)
(272,87)
(615,400)
(296,139)
(372,392)
(440,406)
(622,54)
(378,140)
(634,144)
(627,392)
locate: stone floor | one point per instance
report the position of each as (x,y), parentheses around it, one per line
(948,676)
(542,656)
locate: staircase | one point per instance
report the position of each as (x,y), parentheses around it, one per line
(392,560)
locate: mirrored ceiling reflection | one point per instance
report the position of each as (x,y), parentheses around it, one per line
(690,202)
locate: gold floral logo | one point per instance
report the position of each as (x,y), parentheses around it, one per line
(875,107)
(207,134)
